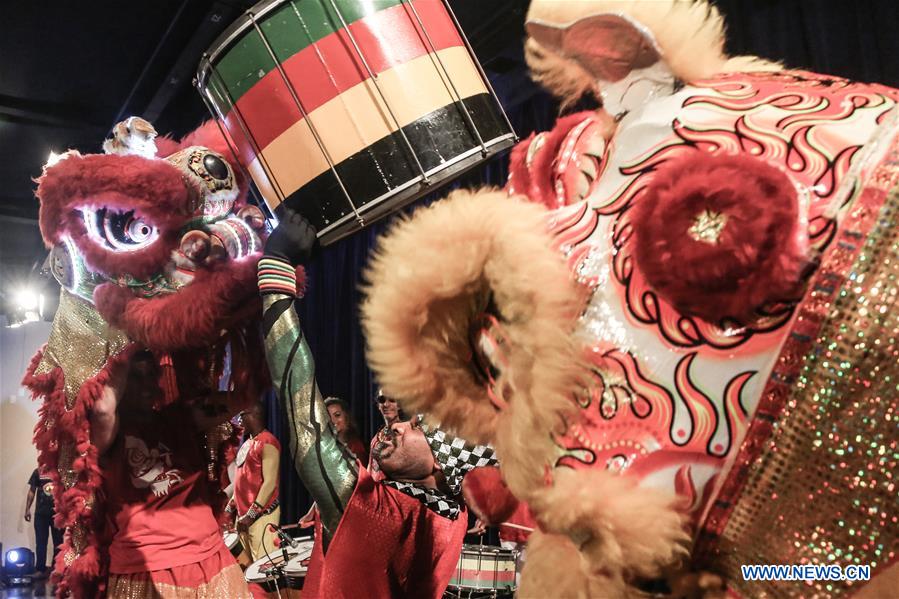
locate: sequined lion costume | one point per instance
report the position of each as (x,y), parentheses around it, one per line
(155,248)
(676,321)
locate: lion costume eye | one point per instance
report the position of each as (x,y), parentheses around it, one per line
(119,231)
(216,167)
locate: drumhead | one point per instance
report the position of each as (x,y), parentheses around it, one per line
(264,568)
(299,561)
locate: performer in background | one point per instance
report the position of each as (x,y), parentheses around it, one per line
(166,540)
(345,426)
(400,537)
(391,413)
(255,502)
(42,487)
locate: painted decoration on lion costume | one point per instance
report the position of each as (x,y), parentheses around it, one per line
(155,249)
(676,323)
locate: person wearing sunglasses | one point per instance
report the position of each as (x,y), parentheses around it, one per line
(391,412)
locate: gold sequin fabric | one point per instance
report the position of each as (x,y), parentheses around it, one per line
(814,482)
(227,584)
(80,343)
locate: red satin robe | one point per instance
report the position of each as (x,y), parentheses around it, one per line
(388,545)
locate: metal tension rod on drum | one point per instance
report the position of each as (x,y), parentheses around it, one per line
(436,55)
(374,79)
(305,114)
(477,64)
(276,187)
(213,109)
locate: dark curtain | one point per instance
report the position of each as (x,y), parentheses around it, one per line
(852,39)
(330,310)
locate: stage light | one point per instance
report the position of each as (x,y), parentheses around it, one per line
(27,306)
(18,567)
(27,300)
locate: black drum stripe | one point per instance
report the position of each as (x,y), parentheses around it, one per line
(438,138)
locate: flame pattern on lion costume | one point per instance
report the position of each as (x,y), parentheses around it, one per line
(629,319)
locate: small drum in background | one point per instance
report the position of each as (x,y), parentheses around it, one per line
(296,568)
(484,571)
(232,542)
(268,571)
(346,110)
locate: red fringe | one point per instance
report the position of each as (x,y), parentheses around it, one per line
(56,427)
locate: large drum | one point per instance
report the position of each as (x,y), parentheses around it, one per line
(484,570)
(346,110)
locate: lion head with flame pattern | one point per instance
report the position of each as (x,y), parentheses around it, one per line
(629,316)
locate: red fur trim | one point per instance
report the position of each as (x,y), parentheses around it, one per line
(58,427)
(302,281)
(759,255)
(487,495)
(537,182)
(152,188)
(195,316)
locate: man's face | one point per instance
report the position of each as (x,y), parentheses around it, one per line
(405,453)
(388,408)
(252,420)
(338,418)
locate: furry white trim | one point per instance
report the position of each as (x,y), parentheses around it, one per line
(431,276)
(555,568)
(689,34)
(622,531)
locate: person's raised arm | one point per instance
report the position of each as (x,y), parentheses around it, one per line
(326,470)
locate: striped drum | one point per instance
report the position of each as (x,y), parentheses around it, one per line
(346,110)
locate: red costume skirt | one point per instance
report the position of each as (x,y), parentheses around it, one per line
(216,576)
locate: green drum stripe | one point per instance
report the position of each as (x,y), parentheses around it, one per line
(289,28)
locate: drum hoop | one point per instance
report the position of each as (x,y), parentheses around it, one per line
(227,38)
(396,190)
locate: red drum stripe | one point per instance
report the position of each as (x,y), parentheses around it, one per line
(331,66)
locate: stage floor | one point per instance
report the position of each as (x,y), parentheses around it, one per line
(39,588)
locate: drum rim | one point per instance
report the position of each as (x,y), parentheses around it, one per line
(366,209)
(227,37)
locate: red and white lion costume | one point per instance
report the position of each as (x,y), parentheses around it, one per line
(646,321)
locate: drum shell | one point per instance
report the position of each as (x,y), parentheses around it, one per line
(232,542)
(383,110)
(485,567)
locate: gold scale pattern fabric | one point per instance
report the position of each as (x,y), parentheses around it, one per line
(823,488)
(227,584)
(80,343)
